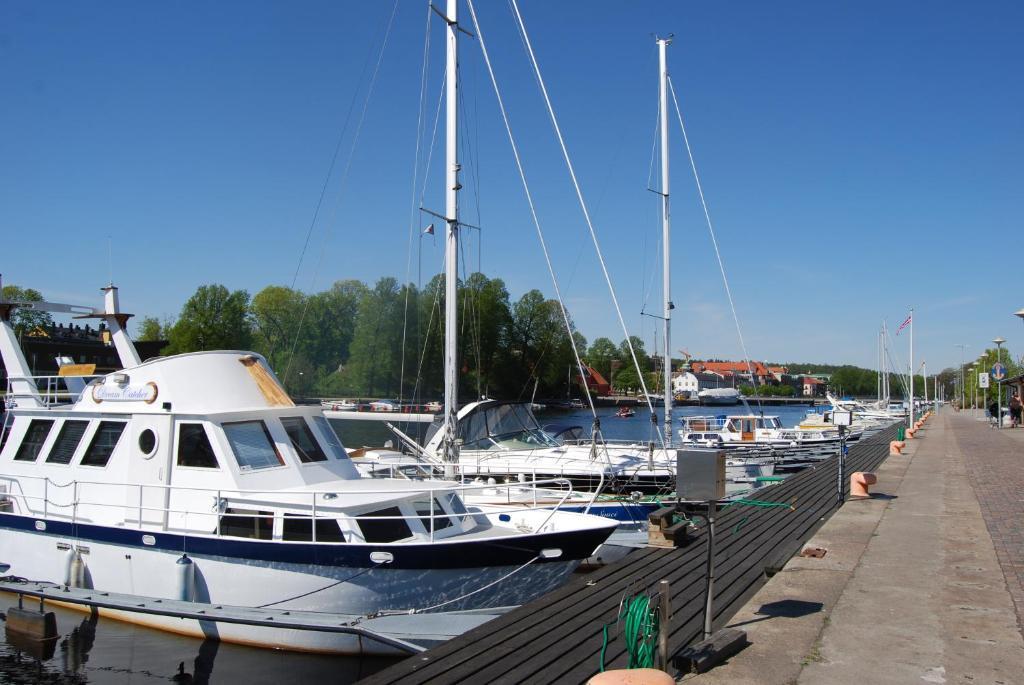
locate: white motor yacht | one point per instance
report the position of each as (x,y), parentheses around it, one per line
(195,477)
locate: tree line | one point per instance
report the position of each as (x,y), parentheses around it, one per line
(384,340)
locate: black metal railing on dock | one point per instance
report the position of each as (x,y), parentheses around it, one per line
(558,638)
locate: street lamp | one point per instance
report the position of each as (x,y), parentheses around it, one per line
(962,347)
(1020,314)
(999,389)
(974,400)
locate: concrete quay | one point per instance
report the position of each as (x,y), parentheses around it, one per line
(922,583)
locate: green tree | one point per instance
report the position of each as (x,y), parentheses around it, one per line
(25,320)
(626,379)
(641,354)
(150,328)
(374,367)
(487,320)
(214,318)
(601,354)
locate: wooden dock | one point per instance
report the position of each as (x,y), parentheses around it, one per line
(558,638)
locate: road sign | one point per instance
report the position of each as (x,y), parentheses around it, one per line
(998,371)
(982,379)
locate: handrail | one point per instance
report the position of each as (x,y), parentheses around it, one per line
(238,498)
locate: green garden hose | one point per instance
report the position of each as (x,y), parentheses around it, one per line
(640,630)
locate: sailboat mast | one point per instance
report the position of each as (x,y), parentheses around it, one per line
(666,231)
(451,273)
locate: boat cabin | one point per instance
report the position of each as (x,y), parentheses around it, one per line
(207,442)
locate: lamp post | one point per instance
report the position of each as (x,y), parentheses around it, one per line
(974,399)
(1020,314)
(999,389)
(962,347)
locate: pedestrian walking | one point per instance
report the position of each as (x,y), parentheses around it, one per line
(1015,410)
(993,412)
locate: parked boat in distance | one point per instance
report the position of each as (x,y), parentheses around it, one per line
(719,396)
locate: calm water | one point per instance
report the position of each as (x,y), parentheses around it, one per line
(105,651)
(98,650)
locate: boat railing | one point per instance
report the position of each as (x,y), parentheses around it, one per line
(699,424)
(156,514)
(50,390)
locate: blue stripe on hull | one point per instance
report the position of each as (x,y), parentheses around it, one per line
(438,555)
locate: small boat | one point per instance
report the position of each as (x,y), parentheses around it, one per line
(339,405)
(625,412)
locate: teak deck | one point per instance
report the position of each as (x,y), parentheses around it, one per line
(558,637)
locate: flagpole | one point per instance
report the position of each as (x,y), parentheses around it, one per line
(910,416)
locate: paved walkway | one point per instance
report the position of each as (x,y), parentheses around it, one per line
(995,466)
(912,589)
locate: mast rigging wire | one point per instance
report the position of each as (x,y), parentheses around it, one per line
(341,185)
(714,239)
(529,198)
(413,214)
(524,36)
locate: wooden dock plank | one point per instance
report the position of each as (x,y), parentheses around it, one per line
(557,638)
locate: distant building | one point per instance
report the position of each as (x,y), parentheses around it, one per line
(738,373)
(686,384)
(812,386)
(778,373)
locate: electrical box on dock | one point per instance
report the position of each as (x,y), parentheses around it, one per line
(700,475)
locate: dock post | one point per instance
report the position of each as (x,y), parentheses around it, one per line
(709,599)
(663,623)
(842,464)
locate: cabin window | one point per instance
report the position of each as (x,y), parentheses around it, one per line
(35,436)
(252,445)
(194,448)
(384,529)
(456,505)
(245,523)
(67,442)
(330,438)
(302,439)
(298,528)
(147,441)
(103,442)
(440,516)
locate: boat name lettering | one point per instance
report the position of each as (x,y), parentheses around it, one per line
(129,393)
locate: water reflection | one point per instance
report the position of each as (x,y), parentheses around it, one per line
(90,649)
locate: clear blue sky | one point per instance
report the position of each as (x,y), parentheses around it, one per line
(858,158)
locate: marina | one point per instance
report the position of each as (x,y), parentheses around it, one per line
(463,356)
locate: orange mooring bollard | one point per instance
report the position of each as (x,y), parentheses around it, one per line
(894,448)
(859,483)
(636,676)
(910,433)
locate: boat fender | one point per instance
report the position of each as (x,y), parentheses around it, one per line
(74,568)
(185,577)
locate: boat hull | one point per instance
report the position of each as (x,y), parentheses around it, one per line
(350,590)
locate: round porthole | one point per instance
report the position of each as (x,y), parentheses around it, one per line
(147,442)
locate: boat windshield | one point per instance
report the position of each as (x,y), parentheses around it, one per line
(504,426)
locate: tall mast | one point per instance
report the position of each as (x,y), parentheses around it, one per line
(665,231)
(878,359)
(451,274)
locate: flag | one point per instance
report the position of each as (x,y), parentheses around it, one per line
(909,320)
(429,230)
